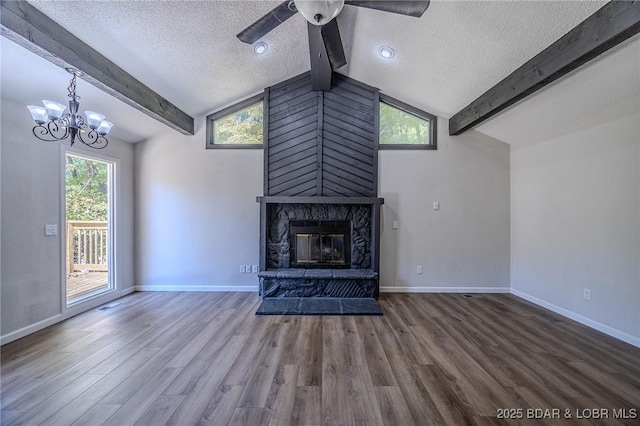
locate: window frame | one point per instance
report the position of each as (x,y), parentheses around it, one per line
(416,112)
(238,106)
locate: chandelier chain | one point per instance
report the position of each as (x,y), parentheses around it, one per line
(72,88)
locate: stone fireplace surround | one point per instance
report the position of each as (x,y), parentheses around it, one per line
(278,280)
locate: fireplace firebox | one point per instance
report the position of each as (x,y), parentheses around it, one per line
(320,244)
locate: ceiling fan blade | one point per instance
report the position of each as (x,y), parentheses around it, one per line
(320,66)
(403,7)
(268,22)
(333,44)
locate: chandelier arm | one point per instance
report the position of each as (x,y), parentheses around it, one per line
(41,132)
(100,143)
(55,130)
(95,140)
(80,123)
(51,132)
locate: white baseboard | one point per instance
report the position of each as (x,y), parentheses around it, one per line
(613,332)
(242,288)
(393,289)
(24,331)
(70,312)
(625,337)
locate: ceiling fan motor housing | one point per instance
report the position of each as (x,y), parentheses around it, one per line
(319,12)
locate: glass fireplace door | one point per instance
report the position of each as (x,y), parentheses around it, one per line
(319,244)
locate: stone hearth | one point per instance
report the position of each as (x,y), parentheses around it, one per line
(318,283)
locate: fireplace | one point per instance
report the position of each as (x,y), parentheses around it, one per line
(319,247)
(320,244)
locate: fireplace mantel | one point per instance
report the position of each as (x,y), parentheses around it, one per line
(320,200)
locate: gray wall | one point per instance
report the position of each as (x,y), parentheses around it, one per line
(575,224)
(463,246)
(197,219)
(31,274)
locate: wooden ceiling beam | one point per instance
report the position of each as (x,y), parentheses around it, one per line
(614,23)
(32,29)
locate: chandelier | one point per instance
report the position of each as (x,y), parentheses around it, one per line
(52,124)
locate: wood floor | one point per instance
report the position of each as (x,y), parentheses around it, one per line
(205,358)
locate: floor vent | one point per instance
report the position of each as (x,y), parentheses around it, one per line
(467,295)
(104,308)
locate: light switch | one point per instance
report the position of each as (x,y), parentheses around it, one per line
(436,205)
(394,224)
(254,269)
(50,230)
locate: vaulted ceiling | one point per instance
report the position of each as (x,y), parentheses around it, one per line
(187,52)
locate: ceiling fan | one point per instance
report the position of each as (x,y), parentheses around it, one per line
(325,44)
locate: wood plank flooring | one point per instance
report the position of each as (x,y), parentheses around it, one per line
(205,358)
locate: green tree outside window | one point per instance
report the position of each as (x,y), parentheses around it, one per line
(403,126)
(243,127)
(398,127)
(87,189)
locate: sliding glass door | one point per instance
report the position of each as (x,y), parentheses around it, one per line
(89,195)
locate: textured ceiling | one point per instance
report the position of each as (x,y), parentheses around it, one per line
(607,88)
(187,52)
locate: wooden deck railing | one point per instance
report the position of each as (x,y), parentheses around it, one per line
(87,246)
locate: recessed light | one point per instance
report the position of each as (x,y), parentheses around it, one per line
(260,47)
(386,52)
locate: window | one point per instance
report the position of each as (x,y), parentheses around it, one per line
(239,126)
(405,127)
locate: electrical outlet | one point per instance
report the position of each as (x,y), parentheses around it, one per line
(50,230)
(254,269)
(242,269)
(586,293)
(419,269)
(394,224)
